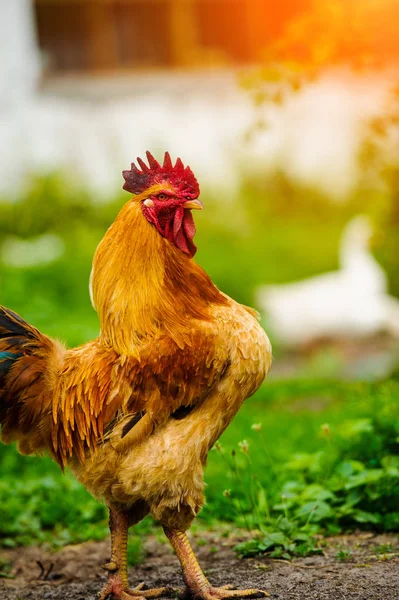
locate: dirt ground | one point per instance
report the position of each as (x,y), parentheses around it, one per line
(369,571)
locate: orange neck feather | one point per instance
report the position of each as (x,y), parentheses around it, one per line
(142,285)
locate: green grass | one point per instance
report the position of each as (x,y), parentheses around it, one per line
(325,459)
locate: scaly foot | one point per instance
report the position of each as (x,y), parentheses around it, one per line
(225,592)
(115,589)
(197,584)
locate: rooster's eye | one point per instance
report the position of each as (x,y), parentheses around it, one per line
(162,197)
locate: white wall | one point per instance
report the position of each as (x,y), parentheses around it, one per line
(19,62)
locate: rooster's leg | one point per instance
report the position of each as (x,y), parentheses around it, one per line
(117,587)
(194,577)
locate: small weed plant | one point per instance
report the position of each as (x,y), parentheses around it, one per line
(344,555)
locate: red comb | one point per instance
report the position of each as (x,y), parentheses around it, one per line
(181,177)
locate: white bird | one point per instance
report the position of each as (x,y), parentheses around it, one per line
(350,302)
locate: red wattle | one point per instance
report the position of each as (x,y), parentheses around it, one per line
(178,220)
(190,230)
(178,227)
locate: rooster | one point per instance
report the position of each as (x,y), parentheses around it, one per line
(135,412)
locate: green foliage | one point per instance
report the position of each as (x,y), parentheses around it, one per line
(49,508)
(40,504)
(283,538)
(348,478)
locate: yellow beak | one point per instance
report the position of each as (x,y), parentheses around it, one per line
(196,204)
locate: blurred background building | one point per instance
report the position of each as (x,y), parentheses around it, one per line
(79,77)
(131,34)
(82,35)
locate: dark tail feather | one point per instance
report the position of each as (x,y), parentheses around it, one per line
(29,362)
(12,324)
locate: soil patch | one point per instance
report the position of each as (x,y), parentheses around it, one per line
(367,569)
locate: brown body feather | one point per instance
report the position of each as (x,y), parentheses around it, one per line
(169,341)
